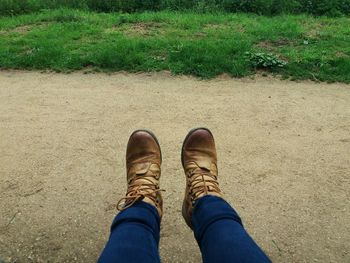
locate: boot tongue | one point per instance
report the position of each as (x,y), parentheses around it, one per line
(139,169)
(205,165)
(142,169)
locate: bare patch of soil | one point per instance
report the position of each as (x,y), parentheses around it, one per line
(283,150)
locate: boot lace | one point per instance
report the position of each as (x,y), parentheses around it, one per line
(202,182)
(140,187)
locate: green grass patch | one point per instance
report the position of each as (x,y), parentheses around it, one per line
(261,7)
(204,45)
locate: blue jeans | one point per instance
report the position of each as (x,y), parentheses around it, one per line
(216,225)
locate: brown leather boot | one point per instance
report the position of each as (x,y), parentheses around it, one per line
(143,161)
(199,161)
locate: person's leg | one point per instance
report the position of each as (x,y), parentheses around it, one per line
(135,231)
(134,236)
(220,234)
(217,227)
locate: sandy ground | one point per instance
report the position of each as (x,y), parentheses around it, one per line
(283,147)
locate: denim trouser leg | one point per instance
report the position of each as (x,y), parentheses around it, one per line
(217,227)
(134,236)
(220,234)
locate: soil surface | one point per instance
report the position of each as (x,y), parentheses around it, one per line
(283,148)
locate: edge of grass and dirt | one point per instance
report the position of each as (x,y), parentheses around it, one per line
(203,45)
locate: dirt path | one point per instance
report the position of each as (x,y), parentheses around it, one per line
(284,161)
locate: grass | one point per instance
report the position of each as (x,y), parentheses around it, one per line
(203,45)
(261,7)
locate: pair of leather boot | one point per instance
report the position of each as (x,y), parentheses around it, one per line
(143,162)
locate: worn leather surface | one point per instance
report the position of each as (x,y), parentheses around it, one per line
(143,163)
(199,160)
